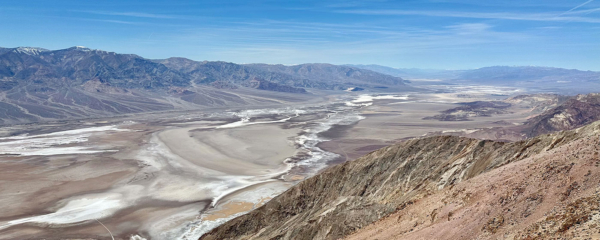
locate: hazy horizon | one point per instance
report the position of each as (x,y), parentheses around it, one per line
(435,34)
(342,64)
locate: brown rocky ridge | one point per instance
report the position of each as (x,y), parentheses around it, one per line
(443,187)
(575,112)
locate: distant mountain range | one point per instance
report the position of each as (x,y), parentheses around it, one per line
(77,65)
(78,82)
(39,84)
(547,78)
(412,73)
(514,74)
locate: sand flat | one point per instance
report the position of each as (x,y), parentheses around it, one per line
(388,122)
(249,150)
(177,179)
(183,169)
(228,209)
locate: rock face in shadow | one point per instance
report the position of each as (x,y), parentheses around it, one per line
(350,196)
(266,85)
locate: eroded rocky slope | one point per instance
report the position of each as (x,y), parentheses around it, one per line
(575,112)
(435,172)
(552,195)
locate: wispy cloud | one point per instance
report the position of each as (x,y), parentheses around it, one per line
(576,7)
(100,20)
(552,17)
(133,14)
(468,28)
(582,12)
(343,39)
(114,21)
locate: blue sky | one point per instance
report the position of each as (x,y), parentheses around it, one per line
(443,34)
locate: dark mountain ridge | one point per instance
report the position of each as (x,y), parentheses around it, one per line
(74,66)
(39,84)
(210,72)
(315,75)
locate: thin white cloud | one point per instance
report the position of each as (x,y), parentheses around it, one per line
(467,28)
(114,21)
(553,17)
(133,14)
(103,20)
(576,7)
(582,12)
(347,41)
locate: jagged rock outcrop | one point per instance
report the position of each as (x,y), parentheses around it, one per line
(350,196)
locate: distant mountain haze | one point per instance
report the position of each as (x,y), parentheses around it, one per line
(526,76)
(412,73)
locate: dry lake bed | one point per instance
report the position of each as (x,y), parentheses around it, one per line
(177,175)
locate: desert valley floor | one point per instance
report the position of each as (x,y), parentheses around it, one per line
(176,175)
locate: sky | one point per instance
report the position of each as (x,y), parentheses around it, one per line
(433,34)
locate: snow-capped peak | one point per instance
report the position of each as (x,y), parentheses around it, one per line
(81,48)
(30,50)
